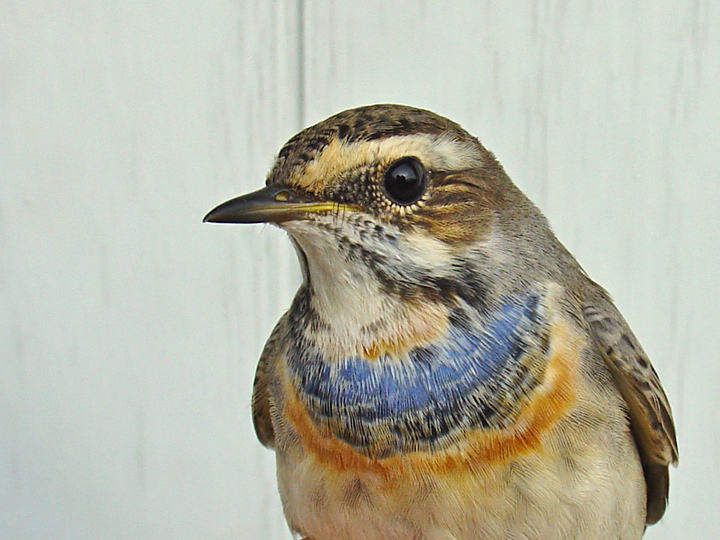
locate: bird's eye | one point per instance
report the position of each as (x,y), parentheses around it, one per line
(405,181)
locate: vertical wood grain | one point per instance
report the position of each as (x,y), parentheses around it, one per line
(130,330)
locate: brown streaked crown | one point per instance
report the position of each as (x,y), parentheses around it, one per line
(367,123)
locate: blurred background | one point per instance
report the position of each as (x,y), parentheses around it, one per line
(129,331)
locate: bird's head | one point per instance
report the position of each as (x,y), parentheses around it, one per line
(389,202)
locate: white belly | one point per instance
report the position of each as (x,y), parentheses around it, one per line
(558,494)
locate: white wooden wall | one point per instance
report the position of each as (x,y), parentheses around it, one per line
(129,331)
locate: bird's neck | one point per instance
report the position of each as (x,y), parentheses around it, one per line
(349,302)
(369,322)
(357,313)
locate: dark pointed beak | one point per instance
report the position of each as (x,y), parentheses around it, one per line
(271,204)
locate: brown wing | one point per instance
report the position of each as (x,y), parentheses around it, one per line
(261,401)
(650,416)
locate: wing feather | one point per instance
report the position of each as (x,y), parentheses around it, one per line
(650,414)
(261,398)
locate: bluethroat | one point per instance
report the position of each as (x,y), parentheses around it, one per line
(447,370)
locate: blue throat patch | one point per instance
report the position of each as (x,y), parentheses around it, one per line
(475,377)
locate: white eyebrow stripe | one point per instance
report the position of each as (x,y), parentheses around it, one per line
(437,152)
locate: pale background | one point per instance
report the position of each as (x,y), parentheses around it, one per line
(129,331)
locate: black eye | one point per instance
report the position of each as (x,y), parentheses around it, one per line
(405,181)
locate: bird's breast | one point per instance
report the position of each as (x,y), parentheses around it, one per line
(480,379)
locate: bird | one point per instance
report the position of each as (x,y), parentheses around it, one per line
(446,369)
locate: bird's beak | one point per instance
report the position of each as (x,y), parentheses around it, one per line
(271,204)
